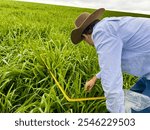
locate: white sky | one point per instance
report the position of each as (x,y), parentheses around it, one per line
(137,6)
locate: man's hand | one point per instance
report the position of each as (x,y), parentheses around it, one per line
(89,84)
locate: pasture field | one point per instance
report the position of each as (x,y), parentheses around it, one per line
(31,33)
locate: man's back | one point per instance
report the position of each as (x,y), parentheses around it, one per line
(134,34)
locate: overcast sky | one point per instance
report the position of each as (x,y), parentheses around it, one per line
(137,6)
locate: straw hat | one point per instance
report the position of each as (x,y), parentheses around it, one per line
(82,22)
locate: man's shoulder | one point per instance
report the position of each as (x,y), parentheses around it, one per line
(104,24)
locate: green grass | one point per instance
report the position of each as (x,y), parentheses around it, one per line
(29,31)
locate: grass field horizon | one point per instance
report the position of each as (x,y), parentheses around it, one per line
(33,32)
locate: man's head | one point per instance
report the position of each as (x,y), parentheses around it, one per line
(87,33)
(84,26)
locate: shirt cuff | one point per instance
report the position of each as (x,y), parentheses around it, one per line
(98,75)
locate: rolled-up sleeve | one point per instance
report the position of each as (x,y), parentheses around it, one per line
(109,50)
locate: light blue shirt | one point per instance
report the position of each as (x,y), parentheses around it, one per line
(122,45)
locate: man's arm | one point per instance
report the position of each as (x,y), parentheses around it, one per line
(109,50)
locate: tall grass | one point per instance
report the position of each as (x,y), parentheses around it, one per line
(31,32)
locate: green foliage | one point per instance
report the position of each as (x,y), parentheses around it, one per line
(29,32)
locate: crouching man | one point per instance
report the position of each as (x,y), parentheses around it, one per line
(122,44)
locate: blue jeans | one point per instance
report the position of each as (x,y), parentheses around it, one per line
(142,86)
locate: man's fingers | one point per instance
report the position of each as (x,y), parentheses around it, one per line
(88,87)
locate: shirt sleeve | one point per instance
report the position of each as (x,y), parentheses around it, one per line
(98,75)
(109,50)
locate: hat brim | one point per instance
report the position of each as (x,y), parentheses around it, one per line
(76,34)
